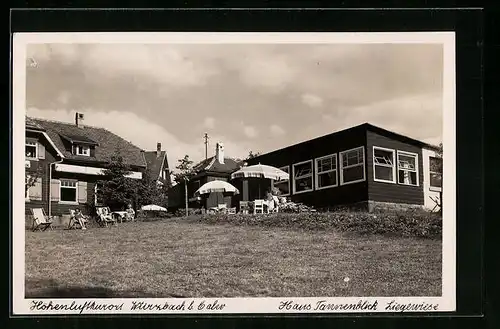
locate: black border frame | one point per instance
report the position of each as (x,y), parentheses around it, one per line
(468,25)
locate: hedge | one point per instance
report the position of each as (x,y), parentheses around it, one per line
(406,223)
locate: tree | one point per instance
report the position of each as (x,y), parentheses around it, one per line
(184,175)
(118,190)
(252,155)
(150,191)
(30,179)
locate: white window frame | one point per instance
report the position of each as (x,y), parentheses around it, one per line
(285,180)
(411,154)
(84,147)
(317,173)
(61,187)
(294,178)
(341,154)
(35,144)
(435,188)
(394,167)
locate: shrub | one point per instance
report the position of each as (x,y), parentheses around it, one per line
(408,224)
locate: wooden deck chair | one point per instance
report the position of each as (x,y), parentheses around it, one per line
(258,206)
(105,216)
(40,220)
(244,207)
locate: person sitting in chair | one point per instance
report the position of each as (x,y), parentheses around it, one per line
(130,213)
(80,218)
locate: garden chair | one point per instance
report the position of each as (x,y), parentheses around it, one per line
(105,216)
(222,208)
(40,220)
(244,207)
(258,206)
(73,222)
(231,211)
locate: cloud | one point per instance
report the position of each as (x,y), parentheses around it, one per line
(395,86)
(271,74)
(416,116)
(312,100)
(276,130)
(250,131)
(163,64)
(209,123)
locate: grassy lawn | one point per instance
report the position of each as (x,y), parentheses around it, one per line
(176,258)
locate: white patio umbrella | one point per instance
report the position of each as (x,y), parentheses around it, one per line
(153,207)
(261,171)
(216,186)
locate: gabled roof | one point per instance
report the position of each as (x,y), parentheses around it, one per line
(212,165)
(156,162)
(394,135)
(366,126)
(31,124)
(107,142)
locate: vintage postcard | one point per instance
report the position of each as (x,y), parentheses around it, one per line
(223,173)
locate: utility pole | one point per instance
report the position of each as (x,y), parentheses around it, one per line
(205,137)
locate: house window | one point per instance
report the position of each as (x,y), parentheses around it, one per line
(326,171)
(436,172)
(384,166)
(81,150)
(352,166)
(31,150)
(68,191)
(283,185)
(303,177)
(407,168)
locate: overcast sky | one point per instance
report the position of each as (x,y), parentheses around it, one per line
(248,96)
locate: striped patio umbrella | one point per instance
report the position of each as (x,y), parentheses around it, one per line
(261,171)
(216,186)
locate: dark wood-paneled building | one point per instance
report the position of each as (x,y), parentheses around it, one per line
(364,165)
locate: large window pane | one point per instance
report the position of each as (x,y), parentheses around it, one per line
(303,169)
(303,184)
(327,179)
(68,194)
(407,177)
(384,173)
(353,174)
(436,180)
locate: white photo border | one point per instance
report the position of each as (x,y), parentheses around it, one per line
(24,306)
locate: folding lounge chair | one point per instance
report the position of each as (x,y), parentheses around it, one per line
(105,216)
(40,220)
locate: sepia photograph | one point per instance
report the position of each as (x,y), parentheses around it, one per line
(188,167)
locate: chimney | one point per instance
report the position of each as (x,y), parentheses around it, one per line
(158,149)
(79,119)
(219,152)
